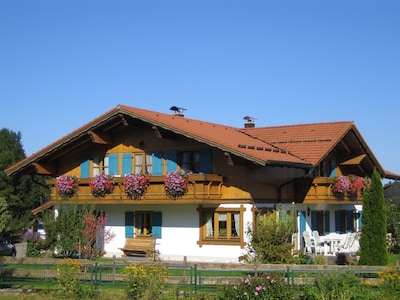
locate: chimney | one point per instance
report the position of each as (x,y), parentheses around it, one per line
(177,111)
(249,122)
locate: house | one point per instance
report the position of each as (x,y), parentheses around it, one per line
(234,174)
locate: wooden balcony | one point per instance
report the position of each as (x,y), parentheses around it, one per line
(320,191)
(203,188)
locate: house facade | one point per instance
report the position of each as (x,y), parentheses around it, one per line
(234,174)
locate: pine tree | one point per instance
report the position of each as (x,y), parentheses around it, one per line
(373,251)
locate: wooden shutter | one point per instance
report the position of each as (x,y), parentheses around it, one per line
(156,219)
(85,168)
(157,166)
(113,164)
(126,164)
(327,222)
(172,164)
(205,161)
(129,224)
(314,221)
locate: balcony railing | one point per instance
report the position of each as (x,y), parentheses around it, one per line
(202,187)
(321,190)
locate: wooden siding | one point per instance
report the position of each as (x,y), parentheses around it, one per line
(204,188)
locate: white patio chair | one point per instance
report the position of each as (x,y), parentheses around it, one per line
(348,244)
(319,246)
(310,246)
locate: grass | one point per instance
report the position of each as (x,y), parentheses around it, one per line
(393,258)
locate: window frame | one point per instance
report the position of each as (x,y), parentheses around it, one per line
(216,239)
(145,224)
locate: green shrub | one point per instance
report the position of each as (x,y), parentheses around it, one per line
(390,282)
(338,286)
(71,286)
(145,281)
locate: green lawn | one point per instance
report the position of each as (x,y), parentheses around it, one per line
(393,258)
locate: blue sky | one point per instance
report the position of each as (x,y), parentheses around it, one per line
(63,63)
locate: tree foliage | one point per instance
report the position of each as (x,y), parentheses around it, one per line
(373,249)
(5,215)
(22,194)
(270,238)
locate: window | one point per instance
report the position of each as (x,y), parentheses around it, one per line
(143,223)
(196,161)
(344,221)
(221,226)
(105,166)
(96,166)
(190,161)
(143,163)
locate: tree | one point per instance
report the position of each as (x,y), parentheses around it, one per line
(373,249)
(5,215)
(94,236)
(68,227)
(270,239)
(22,194)
(393,220)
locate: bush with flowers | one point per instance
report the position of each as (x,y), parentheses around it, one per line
(136,185)
(102,185)
(67,186)
(176,184)
(263,286)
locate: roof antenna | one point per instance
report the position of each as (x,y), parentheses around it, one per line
(178,111)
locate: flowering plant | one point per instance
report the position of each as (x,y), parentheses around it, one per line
(102,185)
(341,184)
(264,286)
(136,185)
(67,186)
(356,184)
(367,183)
(176,184)
(351,183)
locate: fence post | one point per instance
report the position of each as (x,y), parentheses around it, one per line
(195,276)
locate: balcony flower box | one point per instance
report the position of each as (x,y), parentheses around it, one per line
(176,184)
(67,186)
(136,185)
(102,185)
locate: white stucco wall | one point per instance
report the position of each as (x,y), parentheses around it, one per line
(180,233)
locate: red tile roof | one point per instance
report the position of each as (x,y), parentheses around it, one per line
(301,145)
(308,141)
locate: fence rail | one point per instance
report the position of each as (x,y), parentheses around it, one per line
(195,276)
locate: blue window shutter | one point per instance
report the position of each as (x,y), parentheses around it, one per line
(350,223)
(113,164)
(314,223)
(156,220)
(157,161)
(172,164)
(360,221)
(327,222)
(129,224)
(333,167)
(126,164)
(85,168)
(302,215)
(205,161)
(337,221)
